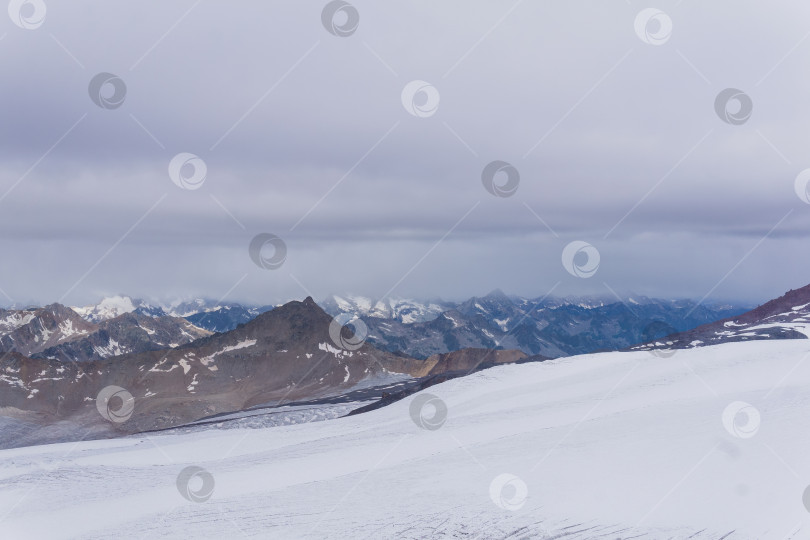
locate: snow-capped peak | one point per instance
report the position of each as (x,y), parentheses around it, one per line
(108,308)
(405,310)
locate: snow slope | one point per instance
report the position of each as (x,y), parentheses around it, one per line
(610,446)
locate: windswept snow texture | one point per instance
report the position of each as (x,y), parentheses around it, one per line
(610,446)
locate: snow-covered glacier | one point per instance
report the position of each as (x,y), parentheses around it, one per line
(706,443)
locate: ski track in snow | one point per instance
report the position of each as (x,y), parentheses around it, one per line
(610,446)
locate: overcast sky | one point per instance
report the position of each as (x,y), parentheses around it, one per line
(611,123)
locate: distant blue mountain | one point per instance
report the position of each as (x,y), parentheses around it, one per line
(225,318)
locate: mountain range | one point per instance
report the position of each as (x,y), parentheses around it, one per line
(551,327)
(57,363)
(58,332)
(212,315)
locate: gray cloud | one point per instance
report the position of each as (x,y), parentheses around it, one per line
(304,135)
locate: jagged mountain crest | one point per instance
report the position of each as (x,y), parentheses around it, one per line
(130,332)
(401,309)
(34,330)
